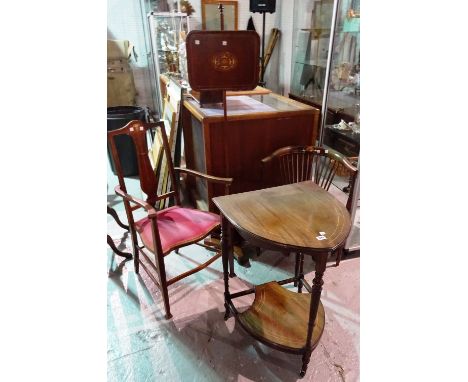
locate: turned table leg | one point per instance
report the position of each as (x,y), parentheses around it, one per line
(320,266)
(301,272)
(225,250)
(296,268)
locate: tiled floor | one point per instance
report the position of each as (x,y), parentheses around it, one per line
(197,344)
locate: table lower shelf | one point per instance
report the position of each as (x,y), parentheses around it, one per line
(280,316)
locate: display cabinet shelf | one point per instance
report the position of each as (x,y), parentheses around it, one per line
(312,21)
(339,107)
(345,141)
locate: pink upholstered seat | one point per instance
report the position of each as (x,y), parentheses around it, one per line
(177,226)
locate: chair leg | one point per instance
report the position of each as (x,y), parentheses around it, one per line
(136,261)
(167,307)
(227,314)
(136,252)
(339,253)
(231,253)
(305,362)
(301,272)
(296,269)
(163,282)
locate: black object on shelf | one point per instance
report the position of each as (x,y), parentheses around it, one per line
(117,117)
(344,141)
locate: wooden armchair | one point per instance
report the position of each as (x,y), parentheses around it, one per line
(166,230)
(301,163)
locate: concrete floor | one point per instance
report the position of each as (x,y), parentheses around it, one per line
(197,344)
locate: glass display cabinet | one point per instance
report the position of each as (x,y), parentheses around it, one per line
(312,25)
(311,43)
(168,31)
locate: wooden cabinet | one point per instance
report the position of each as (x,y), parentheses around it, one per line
(256,126)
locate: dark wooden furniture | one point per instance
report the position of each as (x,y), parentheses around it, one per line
(344,141)
(222,60)
(299,163)
(234,148)
(218,61)
(169,229)
(110,242)
(300,217)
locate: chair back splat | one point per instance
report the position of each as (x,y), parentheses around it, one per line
(148,181)
(301,163)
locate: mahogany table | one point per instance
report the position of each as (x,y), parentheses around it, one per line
(302,218)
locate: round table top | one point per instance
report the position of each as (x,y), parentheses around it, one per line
(301,216)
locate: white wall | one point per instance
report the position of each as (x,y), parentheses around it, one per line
(286,9)
(124,22)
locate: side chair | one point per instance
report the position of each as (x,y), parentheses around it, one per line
(166,230)
(318,164)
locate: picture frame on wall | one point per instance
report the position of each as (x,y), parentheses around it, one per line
(211,19)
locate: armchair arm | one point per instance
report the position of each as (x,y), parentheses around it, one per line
(280,151)
(343,159)
(210,178)
(146,206)
(347,163)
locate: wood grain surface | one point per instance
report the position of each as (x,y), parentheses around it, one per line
(300,215)
(282,316)
(235,148)
(283,107)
